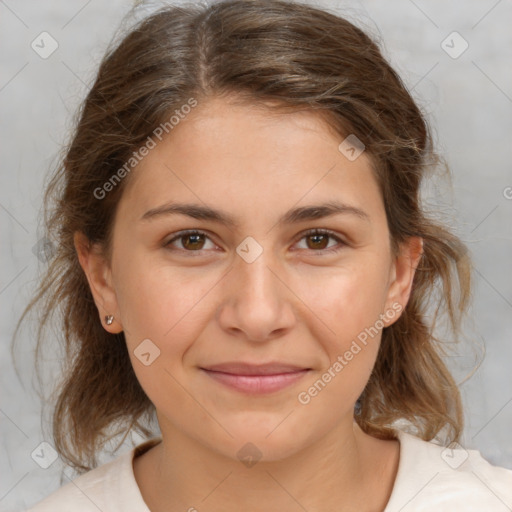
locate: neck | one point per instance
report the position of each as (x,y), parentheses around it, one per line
(346,469)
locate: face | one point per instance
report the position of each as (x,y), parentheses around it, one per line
(269,274)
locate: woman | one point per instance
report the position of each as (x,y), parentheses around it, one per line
(243,255)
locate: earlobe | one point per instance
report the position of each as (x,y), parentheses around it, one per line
(99,276)
(405,265)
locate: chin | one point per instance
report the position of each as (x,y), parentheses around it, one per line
(261,439)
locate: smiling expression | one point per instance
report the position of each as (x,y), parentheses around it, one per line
(245,237)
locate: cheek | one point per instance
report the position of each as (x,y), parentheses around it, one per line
(157,299)
(349,303)
(169,307)
(346,299)
(163,312)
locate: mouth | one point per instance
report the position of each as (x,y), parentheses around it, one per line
(256,378)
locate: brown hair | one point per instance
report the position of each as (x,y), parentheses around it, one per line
(296,57)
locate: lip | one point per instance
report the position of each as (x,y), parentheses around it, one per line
(240,368)
(256,378)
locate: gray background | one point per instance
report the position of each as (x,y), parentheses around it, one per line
(468,100)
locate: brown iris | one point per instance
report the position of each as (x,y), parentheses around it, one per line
(320,240)
(195,239)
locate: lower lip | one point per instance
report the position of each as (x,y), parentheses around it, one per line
(256,384)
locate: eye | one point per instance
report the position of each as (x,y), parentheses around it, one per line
(190,241)
(318,239)
(194,241)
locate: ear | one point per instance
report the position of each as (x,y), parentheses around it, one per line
(99,275)
(402,275)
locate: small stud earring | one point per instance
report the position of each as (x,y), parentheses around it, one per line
(109,319)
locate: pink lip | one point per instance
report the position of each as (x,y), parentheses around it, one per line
(256,379)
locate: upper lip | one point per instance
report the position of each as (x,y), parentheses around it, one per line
(238,368)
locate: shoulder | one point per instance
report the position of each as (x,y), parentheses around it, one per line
(111,487)
(433,477)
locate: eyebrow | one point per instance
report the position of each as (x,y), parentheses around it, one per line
(293,216)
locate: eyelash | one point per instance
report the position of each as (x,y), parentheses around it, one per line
(310,232)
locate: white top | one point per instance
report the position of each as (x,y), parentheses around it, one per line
(430,478)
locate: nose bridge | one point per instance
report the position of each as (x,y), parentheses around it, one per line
(253,258)
(257,278)
(258,303)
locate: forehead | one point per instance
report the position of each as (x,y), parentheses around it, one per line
(239,154)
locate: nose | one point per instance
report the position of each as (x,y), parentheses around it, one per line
(257,304)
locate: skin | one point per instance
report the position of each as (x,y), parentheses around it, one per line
(201,303)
